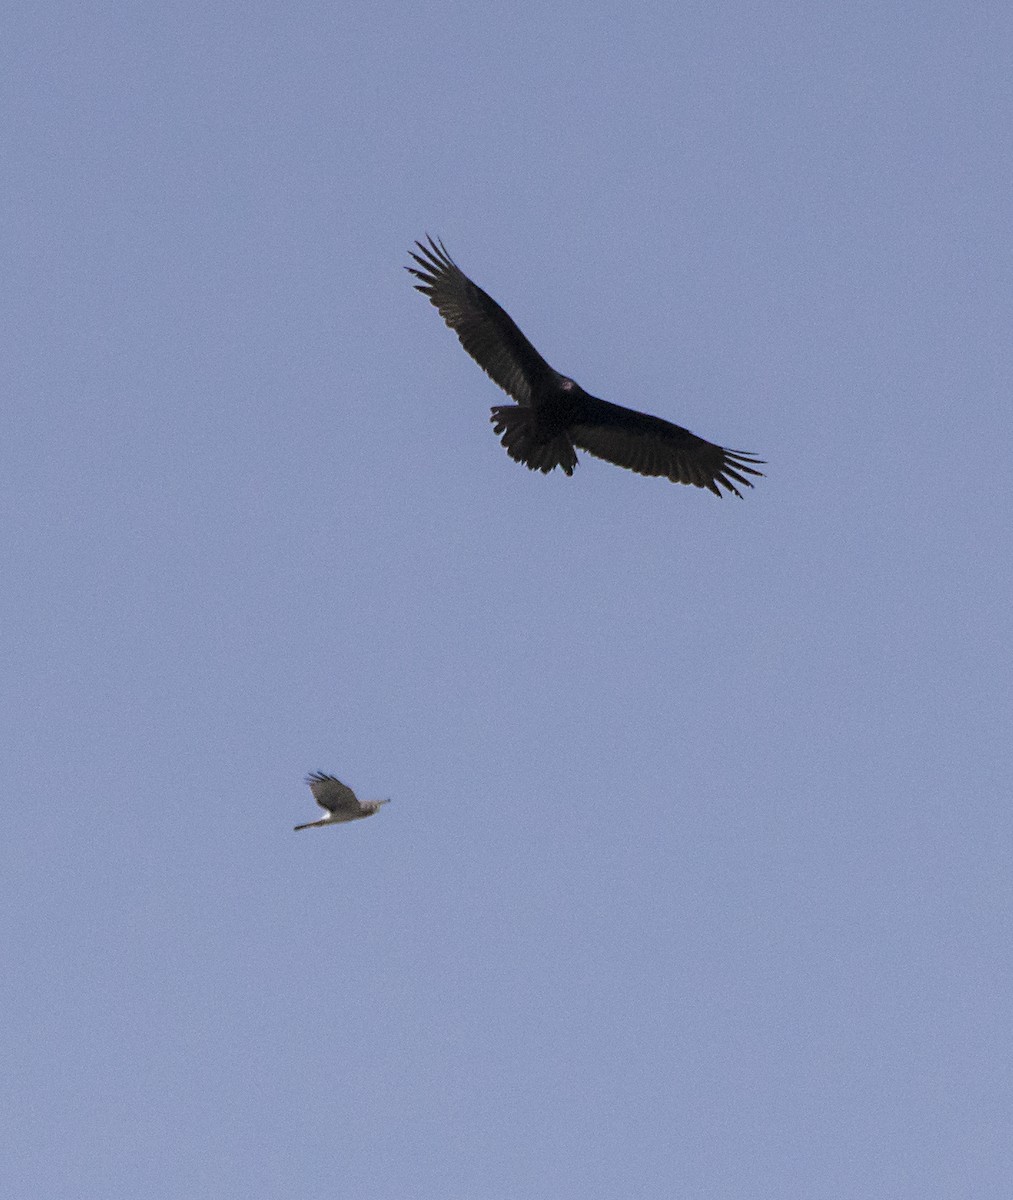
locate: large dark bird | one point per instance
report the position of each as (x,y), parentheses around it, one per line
(553,414)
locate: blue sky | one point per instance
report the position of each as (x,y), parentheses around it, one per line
(696,879)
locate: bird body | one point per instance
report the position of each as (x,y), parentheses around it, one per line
(338,801)
(554,416)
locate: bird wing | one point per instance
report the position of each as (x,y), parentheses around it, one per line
(486,331)
(331,794)
(652,446)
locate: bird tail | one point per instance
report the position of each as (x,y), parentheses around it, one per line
(308,825)
(527,441)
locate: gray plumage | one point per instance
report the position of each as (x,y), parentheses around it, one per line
(338,801)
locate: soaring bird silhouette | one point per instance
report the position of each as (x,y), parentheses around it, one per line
(553,414)
(338,801)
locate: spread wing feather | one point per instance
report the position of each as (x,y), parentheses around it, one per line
(331,794)
(652,446)
(486,330)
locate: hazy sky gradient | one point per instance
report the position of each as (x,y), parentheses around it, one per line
(696,879)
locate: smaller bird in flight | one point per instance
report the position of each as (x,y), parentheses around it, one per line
(338,801)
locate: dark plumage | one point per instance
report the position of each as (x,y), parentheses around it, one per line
(553,414)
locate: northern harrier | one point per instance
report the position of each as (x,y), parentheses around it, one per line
(338,801)
(553,414)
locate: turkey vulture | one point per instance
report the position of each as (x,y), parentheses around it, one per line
(553,414)
(338,801)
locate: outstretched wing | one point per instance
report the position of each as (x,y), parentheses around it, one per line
(652,446)
(331,794)
(486,331)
